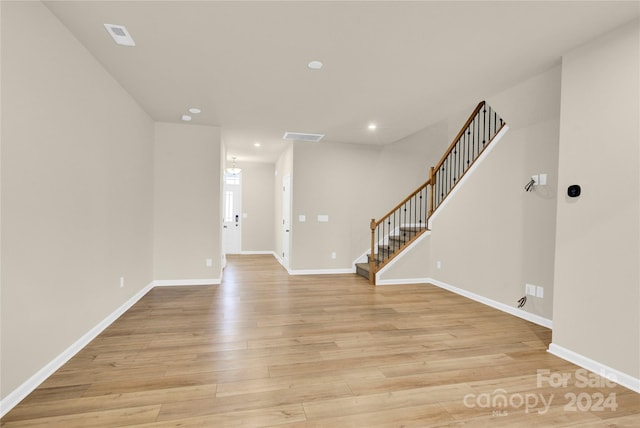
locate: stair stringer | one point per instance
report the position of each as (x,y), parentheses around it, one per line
(386,276)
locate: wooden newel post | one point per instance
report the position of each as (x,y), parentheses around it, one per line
(372,257)
(432,181)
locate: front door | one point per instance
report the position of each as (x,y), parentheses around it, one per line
(232,205)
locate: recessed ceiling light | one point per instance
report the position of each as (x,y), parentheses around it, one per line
(194,110)
(315,65)
(257,144)
(186,117)
(372,126)
(120,34)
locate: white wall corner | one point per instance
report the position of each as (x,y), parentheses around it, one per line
(600,369)
(280,260)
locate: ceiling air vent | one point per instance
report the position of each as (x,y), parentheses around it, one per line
(120,34)
(301,136)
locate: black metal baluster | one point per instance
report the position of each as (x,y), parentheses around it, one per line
(466,145)
(449,175)
(404,221)
(420,211)
(439,192)
(391,229)
(377,242)
(410,208)
(454,156)
(458,163)
(484,124)
(477,121)
(473,136)
(445,182)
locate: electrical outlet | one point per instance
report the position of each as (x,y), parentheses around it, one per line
(438,264)
(121,281)
(539,292)
(333,255)
(209,262)
(536,179)
(530,289)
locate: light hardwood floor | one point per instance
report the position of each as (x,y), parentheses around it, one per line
(268,349)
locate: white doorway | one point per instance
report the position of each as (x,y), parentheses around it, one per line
(286,219)
(232,214)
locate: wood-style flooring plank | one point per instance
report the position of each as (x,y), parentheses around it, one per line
(268,349)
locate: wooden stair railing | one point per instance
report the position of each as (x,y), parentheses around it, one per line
(398,228)
(409,219)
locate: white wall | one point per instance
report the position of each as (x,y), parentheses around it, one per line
(336,180)
(597,295)
(77,178)
(187,221)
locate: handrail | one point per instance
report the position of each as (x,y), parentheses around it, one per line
(404,201)
(476,134)
(409,219)
(459,135)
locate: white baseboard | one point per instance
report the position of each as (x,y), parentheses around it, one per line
(249,253)
(281,261)
(402,281)
(321,271)
(614,375)
(178,282)
(313,271)
(18,394)
(536,319)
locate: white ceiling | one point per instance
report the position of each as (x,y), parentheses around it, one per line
(402,65)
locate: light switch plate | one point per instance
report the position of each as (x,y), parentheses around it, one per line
(542,180)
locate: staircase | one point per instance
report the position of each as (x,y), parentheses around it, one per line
(385,251)
(403,224)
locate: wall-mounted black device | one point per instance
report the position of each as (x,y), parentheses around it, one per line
(573,191)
